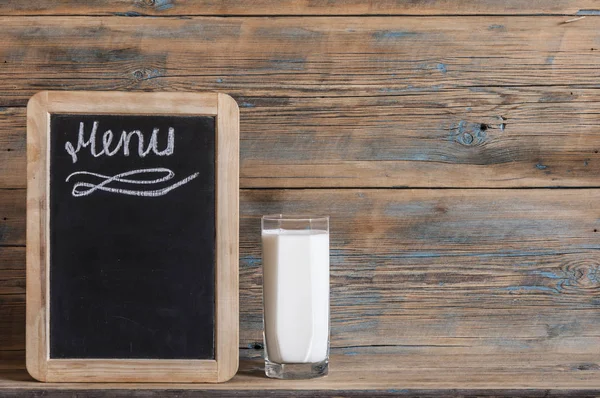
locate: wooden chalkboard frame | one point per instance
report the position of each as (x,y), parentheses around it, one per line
(226,113)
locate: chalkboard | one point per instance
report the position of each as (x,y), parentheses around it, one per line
(137,235)
(135,218)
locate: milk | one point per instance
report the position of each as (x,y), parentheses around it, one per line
(296,295)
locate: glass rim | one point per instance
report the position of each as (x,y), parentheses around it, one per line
(293,217)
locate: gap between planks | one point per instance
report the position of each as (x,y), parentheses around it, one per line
(591,13)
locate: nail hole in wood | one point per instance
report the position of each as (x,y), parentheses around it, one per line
(483,127)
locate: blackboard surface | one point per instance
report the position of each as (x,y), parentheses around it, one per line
(132,237)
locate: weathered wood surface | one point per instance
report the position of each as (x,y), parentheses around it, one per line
(542,144)
(405,104)
(134,8)
(431,288)
(296,56)
(13,148)
(543,137)
(473,271)
(388,372)
(68,391)
(12,219)
(12,304)
(504,279)
(401,108)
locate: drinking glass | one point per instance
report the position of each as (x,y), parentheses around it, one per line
(295,257)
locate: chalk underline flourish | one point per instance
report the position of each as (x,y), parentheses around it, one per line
(83,188)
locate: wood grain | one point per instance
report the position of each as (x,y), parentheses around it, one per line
(494,137)
(103,102)
(135,8)
(12,219)
(383,374)
(13,146)
(485,270)
(431,288)
(507,275)
(294,56)
(12,271)
(363,102)
(69,391)
(12,302)
(227,240)
(37,327)
(12,316)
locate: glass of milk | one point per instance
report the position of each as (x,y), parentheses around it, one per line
(295,254)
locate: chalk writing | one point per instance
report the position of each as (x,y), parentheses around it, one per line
(123,142)
(83,188)
(107,183)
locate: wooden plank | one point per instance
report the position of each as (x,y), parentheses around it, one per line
(122,102)
(12,218)
(12,320)
(12,306)
(423,140)
(134,8)
(194,391)
(12,271)
(542,136)
(13,147)
(12,300)
(508,275)
(429,393)
(370,375)
(406,97)
(294,56)
(489,270)
(228,230)
(37,324)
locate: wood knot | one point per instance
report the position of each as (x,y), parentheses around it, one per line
(469,134)
(586,366)
(467,138)
(581,275)
(146,74)
(158,5)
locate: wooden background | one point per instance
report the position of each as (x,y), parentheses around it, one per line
(455,145)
